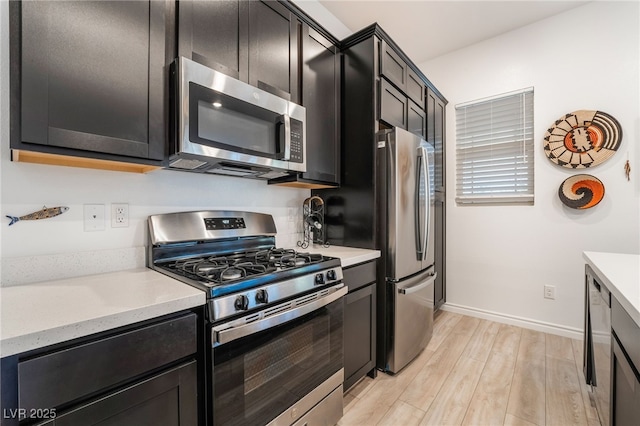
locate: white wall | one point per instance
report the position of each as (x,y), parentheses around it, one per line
(499,258)
(27,187)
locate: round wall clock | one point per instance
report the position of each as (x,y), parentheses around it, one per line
(581,191)
(582,139)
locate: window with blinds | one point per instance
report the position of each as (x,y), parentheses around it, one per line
(494,149)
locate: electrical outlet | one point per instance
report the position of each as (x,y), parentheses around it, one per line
(93,217)
(549,292)
(119,215)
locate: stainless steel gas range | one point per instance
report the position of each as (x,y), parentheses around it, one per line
(274,317)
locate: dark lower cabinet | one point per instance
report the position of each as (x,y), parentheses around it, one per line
(440,291)
(625,368)
(140,374)
(89,78)
(625,407)
(167,399)
(360,323)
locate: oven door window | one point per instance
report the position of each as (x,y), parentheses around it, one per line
(259,376)
(221,121)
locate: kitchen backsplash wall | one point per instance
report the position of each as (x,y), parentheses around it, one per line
(62,244)
(500,257)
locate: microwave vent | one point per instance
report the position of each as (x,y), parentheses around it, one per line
(187,164)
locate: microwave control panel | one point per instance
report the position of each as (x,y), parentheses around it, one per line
(297,154)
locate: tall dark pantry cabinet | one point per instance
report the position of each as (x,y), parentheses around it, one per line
(381,88)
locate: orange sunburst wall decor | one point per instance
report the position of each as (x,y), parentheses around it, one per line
(581,191)
(582,139)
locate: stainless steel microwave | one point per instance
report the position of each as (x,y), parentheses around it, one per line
(226,126)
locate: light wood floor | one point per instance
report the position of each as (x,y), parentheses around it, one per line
(478,372)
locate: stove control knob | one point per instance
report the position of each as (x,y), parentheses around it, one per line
(331,274)
(262,296)
(241,303)
(319,279)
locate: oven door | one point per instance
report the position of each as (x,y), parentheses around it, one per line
(280,366)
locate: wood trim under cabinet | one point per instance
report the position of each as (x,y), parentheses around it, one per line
(69,161)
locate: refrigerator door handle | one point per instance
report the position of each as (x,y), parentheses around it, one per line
(423,171)
(427,201)
(420,249)
(418,287)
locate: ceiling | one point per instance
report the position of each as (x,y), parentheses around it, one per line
(430,28)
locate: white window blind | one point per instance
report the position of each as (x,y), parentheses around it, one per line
(494,149)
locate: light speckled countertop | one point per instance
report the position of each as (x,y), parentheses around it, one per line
(41,314)
(621,275)
(348,255)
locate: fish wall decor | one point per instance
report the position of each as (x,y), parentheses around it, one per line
(45,213)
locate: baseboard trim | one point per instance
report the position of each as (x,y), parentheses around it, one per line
(545,327)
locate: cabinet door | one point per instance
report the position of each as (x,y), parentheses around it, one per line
(321,98)
(273,49)
(215,34)
(436,135)
(416,119)
(415,88)
(359,334)
(440,250)
(393,105)
(392,66)
(93,76)
(625,405)
(169,399)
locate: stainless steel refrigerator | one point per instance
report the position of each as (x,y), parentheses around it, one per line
(405,192)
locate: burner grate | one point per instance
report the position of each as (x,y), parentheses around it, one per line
(216,269)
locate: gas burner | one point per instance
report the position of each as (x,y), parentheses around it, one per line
(232,273)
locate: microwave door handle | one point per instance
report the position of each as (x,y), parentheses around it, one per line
(284,140)
(287,137)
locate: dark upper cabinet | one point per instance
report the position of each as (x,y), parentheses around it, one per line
(398,72)
(89,78)
(392,66)
(393,105)
(273,49)
(320,81)
(416,89)
(436,134)
(321,98)
(215,34)
(398,110)
(256,42)
(416,119)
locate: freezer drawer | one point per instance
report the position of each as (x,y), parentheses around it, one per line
(413,318)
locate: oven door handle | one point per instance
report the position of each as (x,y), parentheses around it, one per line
(221,337)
